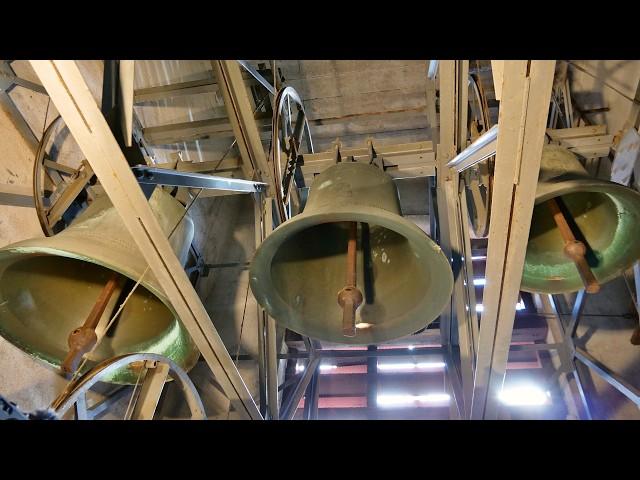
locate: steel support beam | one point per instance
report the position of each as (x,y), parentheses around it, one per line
(267,335)
(254,73)
(164,176)
(457,319)
(102,406)
(289,409)
(76,105)
(566,351)
(620,384)
(270,330)
(483,148)
(372,382)
(526,92)
(311,397)
(333,354)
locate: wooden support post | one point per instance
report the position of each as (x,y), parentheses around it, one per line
(456,320)
(127,70)
(526,90)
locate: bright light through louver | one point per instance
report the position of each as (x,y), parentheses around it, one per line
(325,368)
(524,395)
(435,399)
(398,367)
(519,306)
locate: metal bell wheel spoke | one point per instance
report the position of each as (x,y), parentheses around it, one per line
(152,370)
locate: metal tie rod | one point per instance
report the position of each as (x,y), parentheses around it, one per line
(254,73)
(162,176)
(481,149)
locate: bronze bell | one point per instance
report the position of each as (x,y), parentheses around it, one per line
(49,285)
(603,216)
(351,251)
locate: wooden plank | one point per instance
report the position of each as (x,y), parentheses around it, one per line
(497,68)
(206,84)
(594,141)
(577,132)
(127,68)
(198,130)
(402,160)
(409,77)
(203,85)
(394,171)
(210,165)
(71,96)
(379,138)
(592,151)
(150,392)
(386,151)
(300,69)
(364,104)
(363,125)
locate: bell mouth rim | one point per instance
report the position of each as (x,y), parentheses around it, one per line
(574,183)
(578,184)
(262,285)
(25,249)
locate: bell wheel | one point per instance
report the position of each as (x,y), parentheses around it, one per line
(290,129)
(478,180)
(62,179)
(152,370)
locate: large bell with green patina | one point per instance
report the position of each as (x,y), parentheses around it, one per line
(299,269)
(48,286)
(606,217)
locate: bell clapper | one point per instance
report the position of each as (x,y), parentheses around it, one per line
(350,297)
(83,339)
(574,249)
